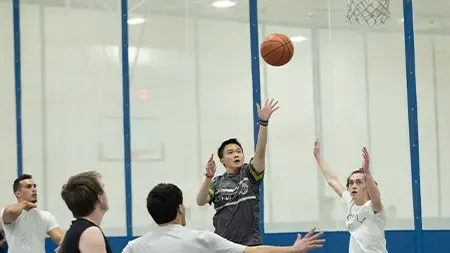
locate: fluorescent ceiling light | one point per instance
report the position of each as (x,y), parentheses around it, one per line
(223,3)
(136,21)
(298,39)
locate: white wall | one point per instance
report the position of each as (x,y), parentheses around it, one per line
(69,91)
(191,89)
(8,106)
(433,90)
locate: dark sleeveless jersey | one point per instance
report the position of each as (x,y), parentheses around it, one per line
(72,236)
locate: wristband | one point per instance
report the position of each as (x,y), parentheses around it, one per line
(263,122)
(208,176)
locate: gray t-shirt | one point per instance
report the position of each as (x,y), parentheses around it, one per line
(236,200)
(178,239)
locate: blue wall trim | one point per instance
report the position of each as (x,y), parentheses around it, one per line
(18,84)
(256,86)
(337,242)
(126,118)
(413,122)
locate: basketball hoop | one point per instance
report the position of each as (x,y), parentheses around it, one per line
(368,12)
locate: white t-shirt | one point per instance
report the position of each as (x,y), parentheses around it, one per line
(179,239)
(28,232)
(365,226)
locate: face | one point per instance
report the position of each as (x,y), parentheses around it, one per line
(27,191)
(233,157)
(357,187)
(182,214)
(103,198)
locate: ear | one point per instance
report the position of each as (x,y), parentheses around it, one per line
(18,194)
(101,198)
(221,161)
(180,209)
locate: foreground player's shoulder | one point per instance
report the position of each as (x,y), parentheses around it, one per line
(219,244)
(131,245)
(92,240)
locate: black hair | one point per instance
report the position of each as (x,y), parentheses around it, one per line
(163,202)
(225,143)
(16,184)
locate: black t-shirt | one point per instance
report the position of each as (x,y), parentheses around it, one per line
(72,236)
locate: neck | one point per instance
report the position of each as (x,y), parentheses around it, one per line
(360,202)
(95,217)
(232,170)
(174,222)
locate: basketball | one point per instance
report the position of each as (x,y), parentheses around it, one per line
(277,49)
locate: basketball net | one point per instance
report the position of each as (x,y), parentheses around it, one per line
(368,12)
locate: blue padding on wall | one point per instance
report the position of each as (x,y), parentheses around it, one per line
(336,242)
(18,84)
(126,118)
(413,121)
(256,86)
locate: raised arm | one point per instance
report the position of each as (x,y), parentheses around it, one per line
(372,188)
(204,194)
(218,244)
(13,211)
(330,177)
(264,114)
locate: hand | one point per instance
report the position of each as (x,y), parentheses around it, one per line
(366,160)
(29,205)
(310,241)
(211,167)
(317,154)
(57,249)
(266,111)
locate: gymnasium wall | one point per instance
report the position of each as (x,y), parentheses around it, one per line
(192,85)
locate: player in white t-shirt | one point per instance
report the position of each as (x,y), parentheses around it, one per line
(25,226)
(165,205)
(366,217)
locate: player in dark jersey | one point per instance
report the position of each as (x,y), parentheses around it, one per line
(235,194)
(86,198)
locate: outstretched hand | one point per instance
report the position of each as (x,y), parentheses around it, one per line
(366,160)
(270,106)
(211,167)
(29,205)
(310,241)
(316,151)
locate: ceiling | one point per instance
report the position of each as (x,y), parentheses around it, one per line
(430,15)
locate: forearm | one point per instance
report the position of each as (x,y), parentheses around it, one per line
(268,249)
(326,171)
(259,159)
(203,193)
(13,211)
(372,187)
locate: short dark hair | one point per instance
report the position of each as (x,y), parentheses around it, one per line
(225,143)
(81,193)
(16,184)
(163,202)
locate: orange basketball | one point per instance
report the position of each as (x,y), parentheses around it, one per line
(277,49)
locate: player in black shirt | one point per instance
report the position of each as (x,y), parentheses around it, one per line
(86,198)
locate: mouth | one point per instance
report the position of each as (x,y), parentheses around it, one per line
(354,192)
(237,160)
(34,195)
